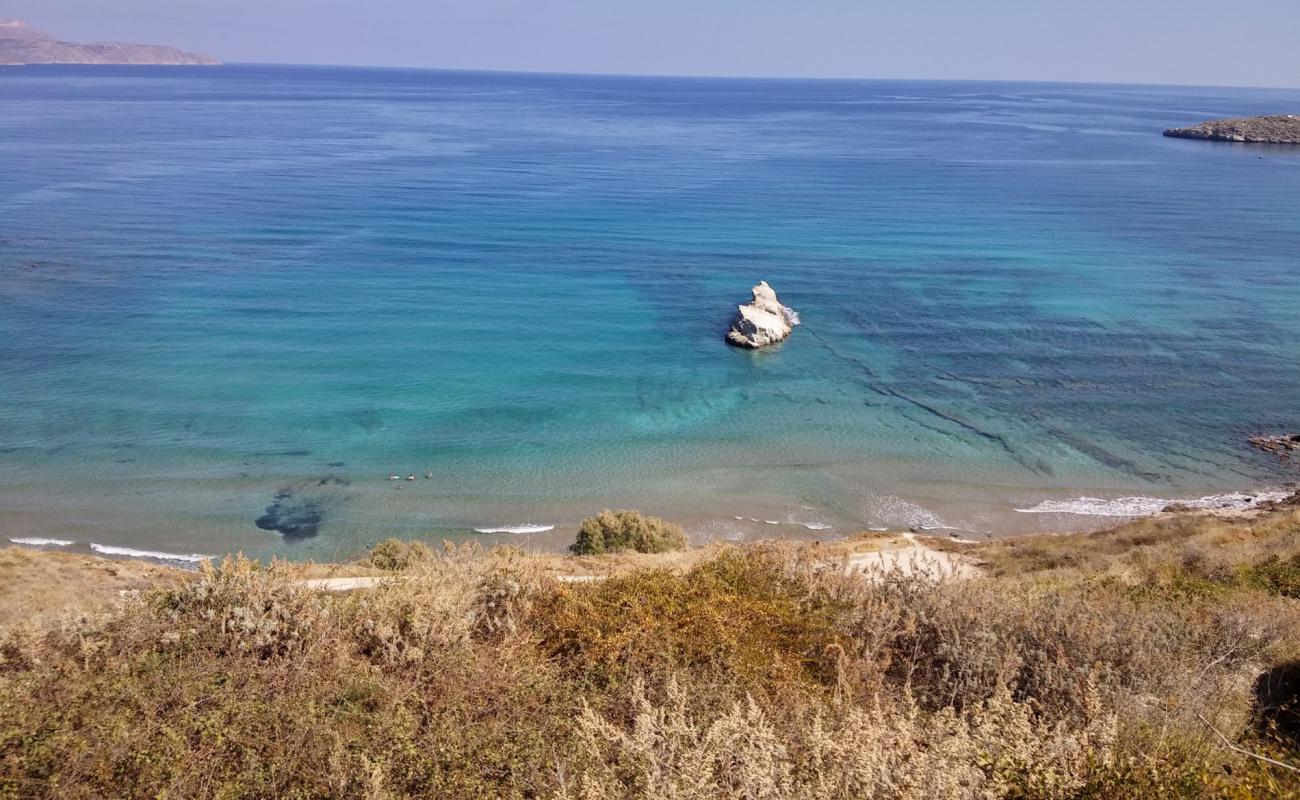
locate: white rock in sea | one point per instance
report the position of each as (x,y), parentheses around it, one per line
(761,321)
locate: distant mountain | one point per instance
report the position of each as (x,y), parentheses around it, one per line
(23,44)
(17,29)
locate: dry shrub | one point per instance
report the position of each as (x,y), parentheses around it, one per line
(505,591)
(396,555)
(759,672)
(244,684)
(239,606)
(963,642)
(889,748)
(401,623)
(743,618)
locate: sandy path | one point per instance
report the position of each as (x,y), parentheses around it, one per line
(343,584)
(913,559)
(371,581)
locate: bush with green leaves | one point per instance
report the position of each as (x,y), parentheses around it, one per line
(613,531)
(396,555)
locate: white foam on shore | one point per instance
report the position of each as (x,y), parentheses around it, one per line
(158,555)
(517,529)
(791,520)
(897,512)
(36,541)
(1144,506)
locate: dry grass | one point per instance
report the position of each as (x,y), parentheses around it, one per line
(39,586)
(620,563)
(1157,550)
(1096,666)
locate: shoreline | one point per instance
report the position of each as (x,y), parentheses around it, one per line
(406,645)
(1064,512)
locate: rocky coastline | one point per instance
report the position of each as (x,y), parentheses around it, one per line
(1281,445)
(1273,129)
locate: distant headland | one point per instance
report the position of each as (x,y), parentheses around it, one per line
(1275,129)
(23,44)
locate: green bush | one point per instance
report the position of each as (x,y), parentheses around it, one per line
(1275,576)
(612,531)
(396,555)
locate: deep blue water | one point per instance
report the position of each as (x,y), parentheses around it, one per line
(223,285)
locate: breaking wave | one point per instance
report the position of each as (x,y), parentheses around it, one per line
(36,541)
(131,552)
(1143,506)
(517,529)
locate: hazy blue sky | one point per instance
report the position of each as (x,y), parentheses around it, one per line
(1149,41)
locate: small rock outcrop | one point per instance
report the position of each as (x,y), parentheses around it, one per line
(1285,504)
(1280,445)
(761,321)
(1275,129)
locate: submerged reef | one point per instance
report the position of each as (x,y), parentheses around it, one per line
(299,511)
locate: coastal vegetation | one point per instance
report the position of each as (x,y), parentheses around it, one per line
(396,555)
(1158,659)
(615,531)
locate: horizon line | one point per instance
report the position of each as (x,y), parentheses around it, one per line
(685,76)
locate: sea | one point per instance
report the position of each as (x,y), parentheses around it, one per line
(236,302)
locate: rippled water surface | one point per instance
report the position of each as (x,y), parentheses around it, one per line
(245,296)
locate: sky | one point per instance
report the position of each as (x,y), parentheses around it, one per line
(1247,43)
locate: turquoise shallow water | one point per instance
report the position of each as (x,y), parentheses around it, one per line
(236,289)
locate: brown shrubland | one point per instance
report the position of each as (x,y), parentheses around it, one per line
(1122,664)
